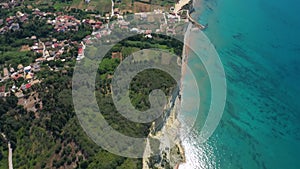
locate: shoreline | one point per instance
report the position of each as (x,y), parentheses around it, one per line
(185,54)
(184,63)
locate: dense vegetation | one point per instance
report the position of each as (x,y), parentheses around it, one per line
(53,137)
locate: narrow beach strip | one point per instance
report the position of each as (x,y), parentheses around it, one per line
(180,4)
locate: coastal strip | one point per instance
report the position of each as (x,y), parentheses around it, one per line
(185,54)
(171,129)
(184,62)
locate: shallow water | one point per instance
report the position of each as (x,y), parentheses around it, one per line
(259,45)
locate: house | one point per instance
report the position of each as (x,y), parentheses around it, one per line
(123,22)
(98,36)
(23,87)
(144,16)
(48,44)
(29,76)
(23,18)
(12,70)
(107,16)
(171,31)
(5,72)
(92,22)
(116,11)
(14,26)
(80,54)
(117,55)
(33,38)
(27,86)
(98,25)
(20,66)
(2,91)
(36,67)
(55,45)
(9,20)
(16,76)
(148,31)
(87,41)
(50,58)
(13,88)
(80,51)
(19,14)
(27,69)
(19,94)
(172,9)
(148,36)
(3,30)
(41,59)
(135,30)
(4,5)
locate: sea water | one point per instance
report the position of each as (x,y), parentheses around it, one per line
(258,42)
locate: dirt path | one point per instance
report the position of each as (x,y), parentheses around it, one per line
(10,163)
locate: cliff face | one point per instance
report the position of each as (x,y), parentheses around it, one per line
(163,148)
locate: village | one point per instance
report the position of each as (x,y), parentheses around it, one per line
(51,50)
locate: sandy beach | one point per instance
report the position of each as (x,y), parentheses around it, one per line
(179,5)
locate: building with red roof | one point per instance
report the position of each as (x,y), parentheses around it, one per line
(27,86)
(2,89)
(80,51)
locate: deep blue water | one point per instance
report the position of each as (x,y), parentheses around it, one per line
(258,42)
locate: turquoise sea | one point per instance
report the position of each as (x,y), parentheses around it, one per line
(258,42)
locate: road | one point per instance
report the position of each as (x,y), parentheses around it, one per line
(10,163)
(112,8)
(44,48)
